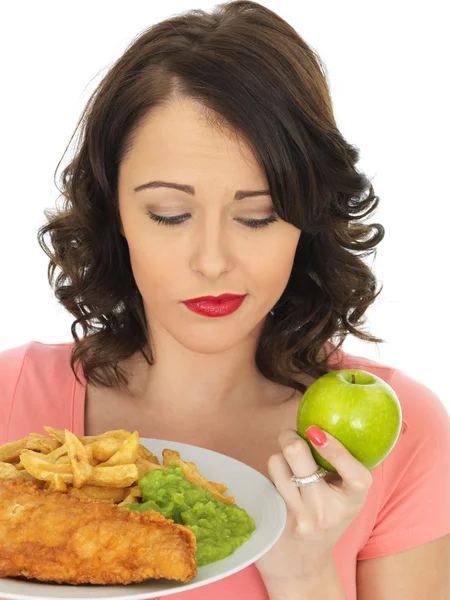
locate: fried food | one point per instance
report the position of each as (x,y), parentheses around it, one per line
(106,467)
(54,536)
(193,475)
(64,514)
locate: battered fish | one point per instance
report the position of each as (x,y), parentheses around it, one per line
(52,536)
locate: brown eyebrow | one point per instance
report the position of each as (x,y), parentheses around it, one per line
(189,189)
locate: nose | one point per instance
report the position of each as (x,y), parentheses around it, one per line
(211,254)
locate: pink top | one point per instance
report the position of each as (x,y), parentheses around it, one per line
(407,505)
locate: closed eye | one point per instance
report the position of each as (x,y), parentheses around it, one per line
(179,219)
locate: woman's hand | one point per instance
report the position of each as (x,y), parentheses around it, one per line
(317,515)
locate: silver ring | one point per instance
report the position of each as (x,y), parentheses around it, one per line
(310,479)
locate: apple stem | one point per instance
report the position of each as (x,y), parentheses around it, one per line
(353,378)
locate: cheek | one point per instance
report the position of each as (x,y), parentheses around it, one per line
(274,261)
(275,272)
(154,265)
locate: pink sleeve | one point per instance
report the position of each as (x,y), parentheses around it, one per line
(11,361)
(415,500)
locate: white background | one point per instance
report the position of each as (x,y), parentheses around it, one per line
(387,65)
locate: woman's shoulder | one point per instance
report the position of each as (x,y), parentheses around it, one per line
(30,373)
(341,359)
(36,348)
(33,355)
(11,363)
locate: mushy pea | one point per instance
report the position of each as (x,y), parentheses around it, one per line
(219,528)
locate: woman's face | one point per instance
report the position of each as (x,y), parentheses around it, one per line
(212,251)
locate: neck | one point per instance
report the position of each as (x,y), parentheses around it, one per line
(183,382)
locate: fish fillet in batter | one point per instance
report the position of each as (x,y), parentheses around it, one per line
(51,536)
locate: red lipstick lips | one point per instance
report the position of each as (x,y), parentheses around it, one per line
(215,306)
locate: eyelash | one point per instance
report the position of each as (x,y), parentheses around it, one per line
(171,221)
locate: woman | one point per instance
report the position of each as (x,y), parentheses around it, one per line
(210,163)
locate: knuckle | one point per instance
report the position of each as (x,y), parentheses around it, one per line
(313,528)
(368,479)
(321,523)
(304,528)
(336,454)
(294,448)
(362,484)
(274,459)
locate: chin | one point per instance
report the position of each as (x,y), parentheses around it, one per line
(213,339)
(207,345)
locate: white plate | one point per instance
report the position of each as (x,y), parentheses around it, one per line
(253,492)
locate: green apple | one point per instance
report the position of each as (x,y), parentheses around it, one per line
(358,408)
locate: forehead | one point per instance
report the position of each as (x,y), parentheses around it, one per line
(178,136)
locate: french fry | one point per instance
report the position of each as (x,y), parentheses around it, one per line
(192,474)
(144,452)
(118,476)
(144,466)
(56,434)
(126,454)
(119,434)
(8,471)
(18,466)
(26,476)
(103,450)
(105,467)
(41,469)
(54,456)
(81,468)
(77,493)
(11,451)
(105,494)
(220,487)
(128,500)
(56,484)
(42,444)
(133,493)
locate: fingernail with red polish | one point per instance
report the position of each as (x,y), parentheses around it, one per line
(317,436)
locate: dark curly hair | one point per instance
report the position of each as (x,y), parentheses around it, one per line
(251,72)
